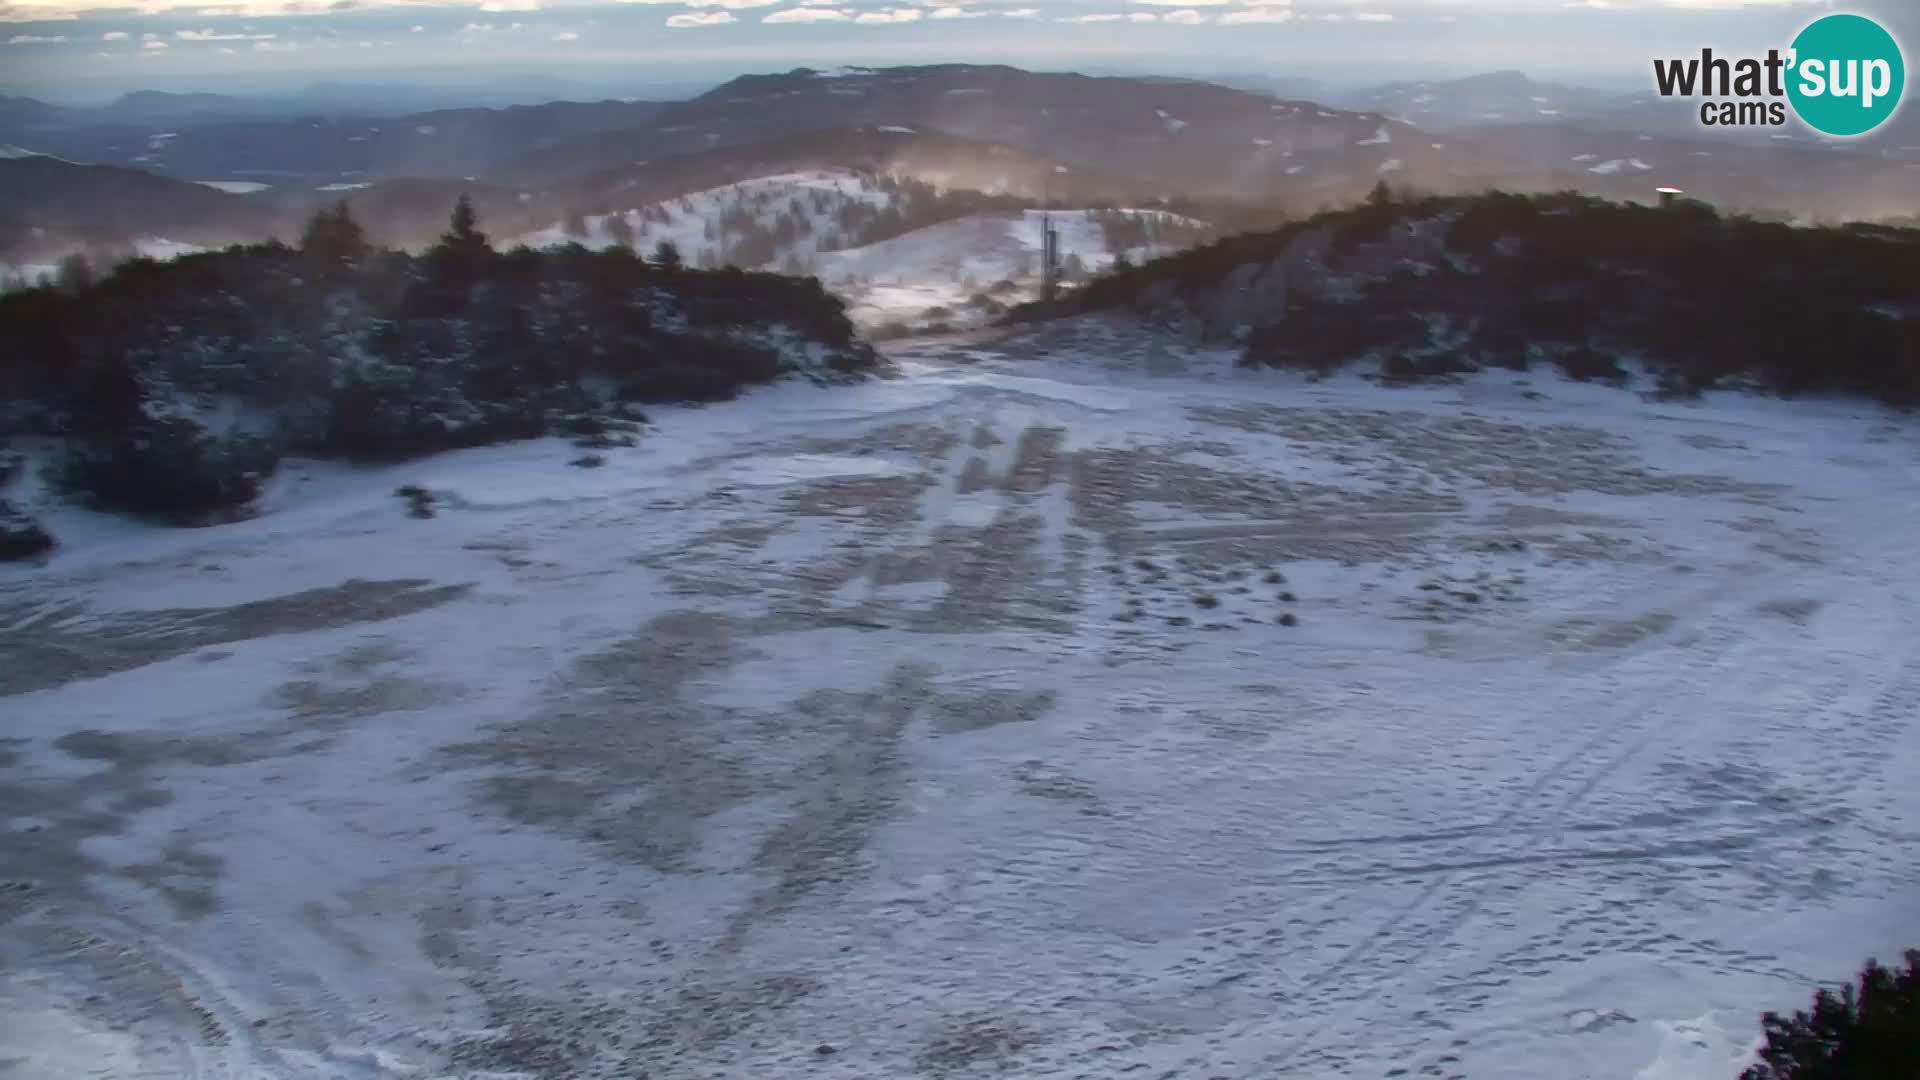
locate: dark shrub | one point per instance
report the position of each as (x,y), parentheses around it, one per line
(167,468)
(1868,1032)
(419,500)
(1584,363)
(21,537)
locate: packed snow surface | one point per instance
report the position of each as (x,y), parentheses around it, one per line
(945,725)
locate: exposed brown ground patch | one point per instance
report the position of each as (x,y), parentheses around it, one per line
(346,689)
(1524,516)
(1044,780)
(1596,634)
(1702,441)
(621,755)
(839,798)
(66,645)
(968,1044)
(1797,610)
(1457,450)
(956,713)
(974,477)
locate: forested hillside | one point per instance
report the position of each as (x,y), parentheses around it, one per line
(1439,286)
(177,386)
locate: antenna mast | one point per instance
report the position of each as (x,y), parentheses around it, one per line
(1049,240)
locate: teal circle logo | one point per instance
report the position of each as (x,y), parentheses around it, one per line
(1847,75)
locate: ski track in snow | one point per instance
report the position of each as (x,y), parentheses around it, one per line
(943,725)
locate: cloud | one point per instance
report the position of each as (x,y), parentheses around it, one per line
(1093,19)
(566,35)
(728,5)
(895,15)
(478,28)
(1183,18)
(1185,3)
(694,20)
(114,35)
(214,35)
(808,15)
(1142,17)
(957,13)
(224,51)
(36,39)
(1266,14)
(416,29)
(497,6)
(16,13)
(276,46)
(1372,16)
(1021,13)
(154,46)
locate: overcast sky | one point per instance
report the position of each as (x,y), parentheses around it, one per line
(73,50)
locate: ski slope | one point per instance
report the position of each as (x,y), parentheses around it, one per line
(691,219)
(901,280)
(945,725)
(896,281)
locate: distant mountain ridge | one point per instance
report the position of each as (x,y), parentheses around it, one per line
(1495,97)
(318,149)
(1180,136)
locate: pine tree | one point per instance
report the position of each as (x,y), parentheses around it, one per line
(1869,1034)
(333,235)
(463,236)
(620,230)
(1381,195)
(76,273)
(666,255)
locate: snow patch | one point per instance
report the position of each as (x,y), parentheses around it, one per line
(1380,138)
(234,187)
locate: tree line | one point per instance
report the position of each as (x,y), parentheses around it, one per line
(178,385)
(1436,286)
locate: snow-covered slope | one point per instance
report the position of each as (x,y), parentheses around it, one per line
(693,222)
(949,723)
(946,266)
(895,281)
(151,247)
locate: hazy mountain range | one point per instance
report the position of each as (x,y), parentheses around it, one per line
(205,168)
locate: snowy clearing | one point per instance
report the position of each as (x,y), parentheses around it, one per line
(947,724)
(235,187)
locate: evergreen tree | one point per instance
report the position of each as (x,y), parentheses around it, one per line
(620,230)
(458,260)
(76,273)
(1869,1034)
(332,235)
(463,236)
(666,255)
(1381,195)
